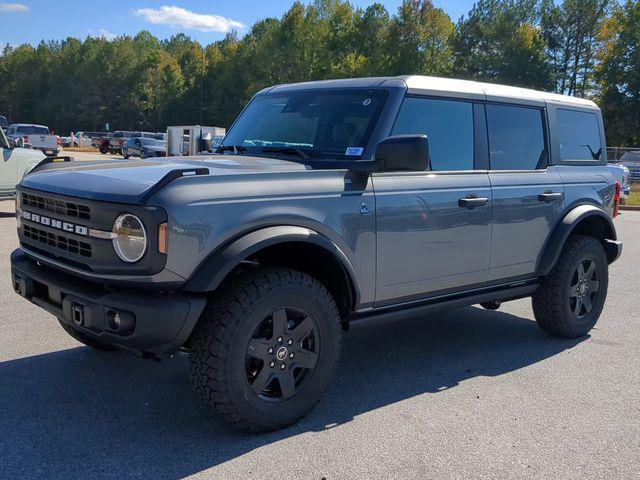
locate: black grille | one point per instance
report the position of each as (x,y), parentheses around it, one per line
(63,243)
(70,209)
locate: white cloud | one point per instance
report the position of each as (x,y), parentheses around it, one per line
(102,33)
(13,7)
(179,17)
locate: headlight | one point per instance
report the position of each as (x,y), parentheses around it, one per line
(130,242)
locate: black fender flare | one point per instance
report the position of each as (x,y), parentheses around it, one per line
(561,233)
(220,263)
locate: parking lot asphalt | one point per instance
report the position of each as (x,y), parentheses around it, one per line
(469,394)
(91,155)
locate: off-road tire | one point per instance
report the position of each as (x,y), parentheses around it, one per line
(551,303)
(82,338)
(219,342)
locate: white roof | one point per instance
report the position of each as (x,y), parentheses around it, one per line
(489,91)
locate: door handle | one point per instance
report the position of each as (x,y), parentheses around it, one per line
(471,201)
(548,197)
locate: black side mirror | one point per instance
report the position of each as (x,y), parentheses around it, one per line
(403,152)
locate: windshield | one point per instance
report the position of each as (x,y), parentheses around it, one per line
(329,123)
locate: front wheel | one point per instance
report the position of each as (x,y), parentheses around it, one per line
(143,154)
(570,299)
(265,349)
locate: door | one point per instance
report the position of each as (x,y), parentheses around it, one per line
(528,195)
(8,170)
(433,227)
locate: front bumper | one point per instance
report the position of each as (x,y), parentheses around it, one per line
(150,322)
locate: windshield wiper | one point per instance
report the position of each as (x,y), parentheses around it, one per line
(235,148)
(288,150)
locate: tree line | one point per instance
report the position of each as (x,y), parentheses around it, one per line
(587,48)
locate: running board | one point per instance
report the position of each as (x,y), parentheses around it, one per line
(445,302)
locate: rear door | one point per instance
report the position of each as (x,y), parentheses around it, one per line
(528,195)
(433,227)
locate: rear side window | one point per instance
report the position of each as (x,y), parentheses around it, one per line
(449,126)
(516,137)
(33,130)
(579,135)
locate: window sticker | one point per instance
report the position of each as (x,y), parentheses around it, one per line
(353,151)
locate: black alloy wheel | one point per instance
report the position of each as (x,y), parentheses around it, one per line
(584,288)
(283,353)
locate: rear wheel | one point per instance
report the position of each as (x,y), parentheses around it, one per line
(143,154)
(125,155)
(82,338)
(266,348)
(570,299)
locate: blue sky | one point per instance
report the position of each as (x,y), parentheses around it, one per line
(29,21)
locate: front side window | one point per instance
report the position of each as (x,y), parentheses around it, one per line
(329,123)
(516,137)
(449,126)
(579,135)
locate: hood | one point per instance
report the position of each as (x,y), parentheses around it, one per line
(128,182)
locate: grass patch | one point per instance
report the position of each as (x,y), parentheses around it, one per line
(634,198)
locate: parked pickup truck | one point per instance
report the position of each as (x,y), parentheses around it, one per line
(329,204)
(16,162)
(36,136)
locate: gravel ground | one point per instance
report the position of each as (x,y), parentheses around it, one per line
(467,394)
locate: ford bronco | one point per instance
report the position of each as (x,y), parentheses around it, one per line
(327,204)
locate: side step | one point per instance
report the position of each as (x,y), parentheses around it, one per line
(445,302)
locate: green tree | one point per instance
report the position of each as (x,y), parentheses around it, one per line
(618,75)
(570,31)
(499,41)
(419,40)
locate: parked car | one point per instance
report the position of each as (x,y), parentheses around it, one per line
(117,140)
(36,136)
(70,141)
(16,162)
(4,124)
(144,148)
(622,175)
(631,160)
(329,204)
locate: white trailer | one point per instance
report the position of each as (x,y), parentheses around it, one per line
(193,139)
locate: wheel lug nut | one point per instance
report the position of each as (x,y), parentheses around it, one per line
(272,364)
(279,339)
(291,355)
(270,350)
(283,366)
(289,342)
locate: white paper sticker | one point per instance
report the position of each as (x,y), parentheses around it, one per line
(352,151)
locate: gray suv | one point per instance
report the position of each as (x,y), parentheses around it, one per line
(328,204)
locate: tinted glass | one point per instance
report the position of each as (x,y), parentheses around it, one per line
(33,130)
(331,123)
(447,124)
(579,135)
(516,138)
